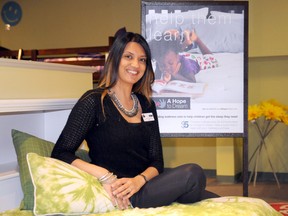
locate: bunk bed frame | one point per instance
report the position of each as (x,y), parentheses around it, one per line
(82,56)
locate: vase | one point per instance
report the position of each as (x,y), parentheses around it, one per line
(263,133)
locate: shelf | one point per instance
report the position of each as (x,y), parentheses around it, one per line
(8,171)
(29,105)
(20,114)
(35,97)
(4,62)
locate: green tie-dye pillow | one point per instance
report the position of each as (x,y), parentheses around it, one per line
(60,188)
(25,143)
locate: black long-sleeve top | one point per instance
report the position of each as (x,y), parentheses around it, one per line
(124,148)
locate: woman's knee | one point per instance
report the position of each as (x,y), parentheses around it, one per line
(195,173)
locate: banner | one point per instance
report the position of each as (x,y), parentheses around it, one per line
(199,55)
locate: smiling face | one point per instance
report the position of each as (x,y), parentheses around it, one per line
(11,13)
(132,65)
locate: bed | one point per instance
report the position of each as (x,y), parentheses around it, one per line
(46,184)
(226,206)
(83,56)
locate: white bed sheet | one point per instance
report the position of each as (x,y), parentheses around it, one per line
(225,84)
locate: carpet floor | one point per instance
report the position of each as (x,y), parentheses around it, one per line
(267,191)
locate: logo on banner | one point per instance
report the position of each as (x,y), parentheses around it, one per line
(172,103)
(184,124)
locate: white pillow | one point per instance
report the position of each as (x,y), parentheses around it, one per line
(221,32)
(223,15)
(60,188)
(222,35)
(158,23)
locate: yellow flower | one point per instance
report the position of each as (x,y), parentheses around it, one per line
(285,119)
(276,103)
(254,112)
(270,110)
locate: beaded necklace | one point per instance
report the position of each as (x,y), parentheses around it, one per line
(130,113)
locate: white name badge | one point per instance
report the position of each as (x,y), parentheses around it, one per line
(148,117)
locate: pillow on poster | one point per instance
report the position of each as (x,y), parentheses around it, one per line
(221,36)
(157,23)
(223,15)
(221,32)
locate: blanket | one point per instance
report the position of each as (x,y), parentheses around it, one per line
(224,206)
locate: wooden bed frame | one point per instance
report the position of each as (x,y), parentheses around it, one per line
(99,54)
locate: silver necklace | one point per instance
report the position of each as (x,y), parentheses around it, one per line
(130,113)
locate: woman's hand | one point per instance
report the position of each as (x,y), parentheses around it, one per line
(108,189)
(124,188)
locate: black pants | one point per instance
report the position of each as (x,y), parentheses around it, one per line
(183,184)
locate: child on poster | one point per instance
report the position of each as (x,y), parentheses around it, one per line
(174,62)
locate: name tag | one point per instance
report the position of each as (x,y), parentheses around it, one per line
(148,117)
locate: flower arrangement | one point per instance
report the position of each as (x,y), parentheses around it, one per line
(271,110)
(265,116)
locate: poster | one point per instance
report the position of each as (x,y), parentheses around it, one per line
(199,56)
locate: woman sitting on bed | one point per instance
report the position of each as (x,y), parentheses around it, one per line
(118,120)
(173,62)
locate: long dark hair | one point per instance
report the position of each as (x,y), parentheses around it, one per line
(110,74)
